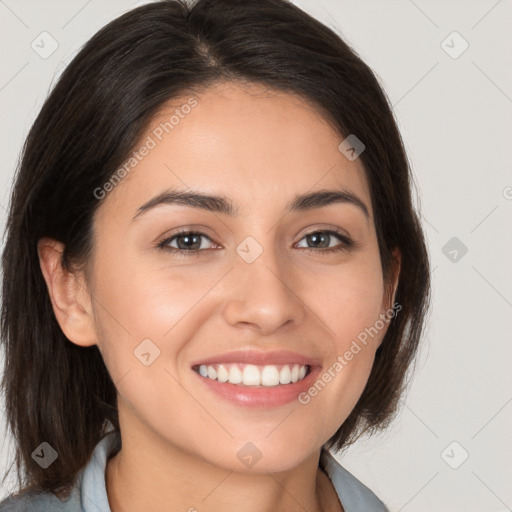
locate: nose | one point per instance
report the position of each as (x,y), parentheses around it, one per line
(263,295)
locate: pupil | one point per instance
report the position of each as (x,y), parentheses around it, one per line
(188,240)
(315,238)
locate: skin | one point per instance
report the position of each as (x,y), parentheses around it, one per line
(260,149)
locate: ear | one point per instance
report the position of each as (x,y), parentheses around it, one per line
(68,293)
(392,285)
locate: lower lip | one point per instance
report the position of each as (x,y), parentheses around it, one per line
(260,397)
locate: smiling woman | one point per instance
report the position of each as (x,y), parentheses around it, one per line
(249,294)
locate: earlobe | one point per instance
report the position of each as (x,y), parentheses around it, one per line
(68,294)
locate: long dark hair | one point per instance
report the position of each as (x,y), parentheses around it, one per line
(61,393)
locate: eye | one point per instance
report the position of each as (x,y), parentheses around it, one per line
(321,241)
(185,242)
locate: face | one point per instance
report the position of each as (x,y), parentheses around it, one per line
(295,282)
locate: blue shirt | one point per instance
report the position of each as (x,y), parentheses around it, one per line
(90,495)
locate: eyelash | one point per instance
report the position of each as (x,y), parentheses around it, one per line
(346,243)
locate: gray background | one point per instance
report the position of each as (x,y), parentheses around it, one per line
(454,112)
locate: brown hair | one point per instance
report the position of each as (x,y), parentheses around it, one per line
(61,393)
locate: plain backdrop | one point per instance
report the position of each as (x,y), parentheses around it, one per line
(445,66)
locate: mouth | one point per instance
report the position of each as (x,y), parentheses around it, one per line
(257,379)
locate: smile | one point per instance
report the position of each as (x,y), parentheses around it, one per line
(253,375)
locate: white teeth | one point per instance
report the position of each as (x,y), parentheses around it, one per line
(285,376)
(295,373)
(270,376)
(252,375)
(235,374)
(212,372)
(222,373)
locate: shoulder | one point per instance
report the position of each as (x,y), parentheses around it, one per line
(89,486)
(38,501)
(352,493)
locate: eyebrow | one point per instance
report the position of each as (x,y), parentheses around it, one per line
(222,204)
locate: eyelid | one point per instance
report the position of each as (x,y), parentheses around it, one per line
(326,229)
(192,228)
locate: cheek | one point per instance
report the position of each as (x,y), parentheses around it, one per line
(349,297)
(145,316)
(349,302)
(136,301)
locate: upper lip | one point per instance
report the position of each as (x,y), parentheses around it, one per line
(258,357)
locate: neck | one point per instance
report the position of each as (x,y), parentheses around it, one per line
(158,477)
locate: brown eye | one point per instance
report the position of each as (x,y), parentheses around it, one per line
(320,241)
(185,242)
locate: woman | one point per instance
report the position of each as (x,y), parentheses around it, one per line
(213,271)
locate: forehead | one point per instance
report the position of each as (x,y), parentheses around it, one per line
(245,142)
